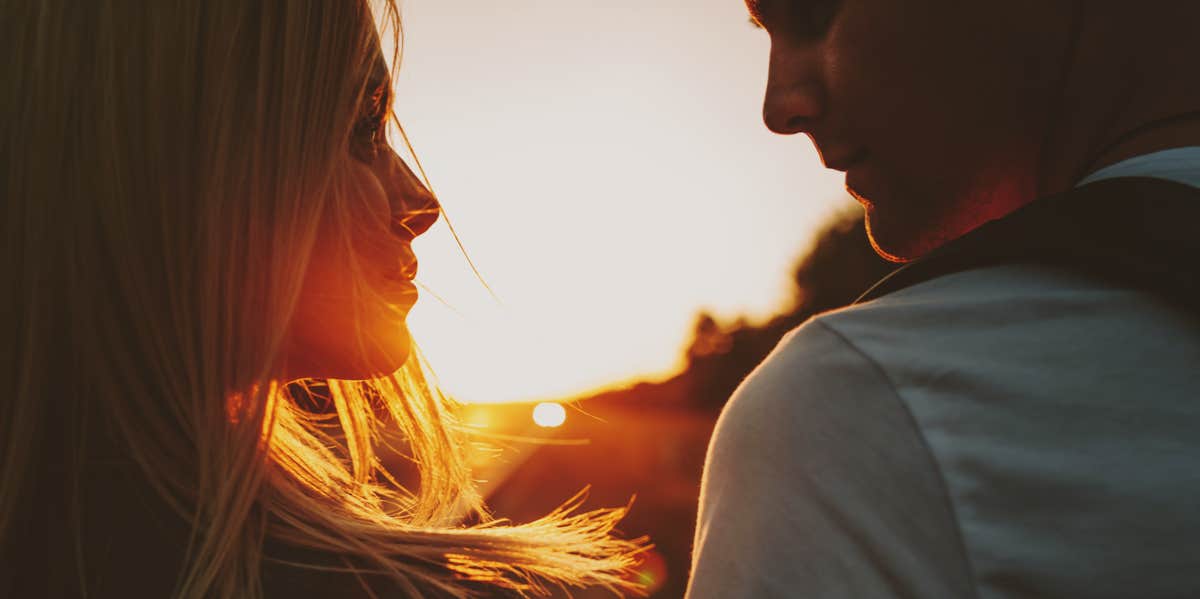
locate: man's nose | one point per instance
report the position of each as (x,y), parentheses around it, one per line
(414,207)
(795,96)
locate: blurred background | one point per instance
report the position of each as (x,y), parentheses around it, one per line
(644,240)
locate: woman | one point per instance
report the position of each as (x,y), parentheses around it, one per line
(201,206)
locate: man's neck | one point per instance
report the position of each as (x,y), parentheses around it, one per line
(1120,100)
(1173,135)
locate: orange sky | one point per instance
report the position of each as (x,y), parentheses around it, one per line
(606,166)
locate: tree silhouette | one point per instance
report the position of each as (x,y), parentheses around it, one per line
(839,267)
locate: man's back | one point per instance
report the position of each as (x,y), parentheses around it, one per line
(1012,431)
(1015,414)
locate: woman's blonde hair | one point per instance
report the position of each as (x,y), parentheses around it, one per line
(165,167)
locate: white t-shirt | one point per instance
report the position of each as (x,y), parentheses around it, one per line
(1010,431)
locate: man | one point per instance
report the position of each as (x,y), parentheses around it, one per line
(1016,413)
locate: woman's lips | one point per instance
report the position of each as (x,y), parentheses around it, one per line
(407,262)
(400,270)
(408,269)
(398,290)
(397,284)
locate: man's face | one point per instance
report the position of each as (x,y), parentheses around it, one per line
(937,110)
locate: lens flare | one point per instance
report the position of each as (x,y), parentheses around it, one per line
(549,415)
(651,574)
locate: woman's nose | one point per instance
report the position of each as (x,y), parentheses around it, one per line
(795,96)
(414,207)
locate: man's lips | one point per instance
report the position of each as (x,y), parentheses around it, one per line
(843,162)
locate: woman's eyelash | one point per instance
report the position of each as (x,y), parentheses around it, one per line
(376,109)
(371,123)
(364,143)
(372,120)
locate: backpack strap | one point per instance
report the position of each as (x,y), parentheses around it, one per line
(1137,232)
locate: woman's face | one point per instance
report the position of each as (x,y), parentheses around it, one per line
(349,319)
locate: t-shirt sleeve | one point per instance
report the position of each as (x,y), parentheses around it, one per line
(818,484)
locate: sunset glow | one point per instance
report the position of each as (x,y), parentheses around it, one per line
(610,175)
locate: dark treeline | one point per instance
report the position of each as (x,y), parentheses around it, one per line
(649,440)
(838,268)
(840,265)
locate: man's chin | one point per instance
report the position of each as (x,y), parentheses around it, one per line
(878,231)
(906,220)
(895,240)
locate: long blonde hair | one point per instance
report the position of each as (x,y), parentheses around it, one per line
(165,166)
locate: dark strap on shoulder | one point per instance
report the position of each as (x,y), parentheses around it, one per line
(1137,232)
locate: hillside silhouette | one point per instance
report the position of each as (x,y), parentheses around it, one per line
(839,266)
(649,440)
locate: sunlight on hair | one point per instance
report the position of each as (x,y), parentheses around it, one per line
(549,415)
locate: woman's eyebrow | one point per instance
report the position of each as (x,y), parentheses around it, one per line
(379,73)
(378,84)
(379,97)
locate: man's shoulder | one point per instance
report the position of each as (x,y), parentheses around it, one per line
(804,359)
(832,353)
(1016,300)
(982,288)
(794,472)
(813,375)
(975,323)
(982,296)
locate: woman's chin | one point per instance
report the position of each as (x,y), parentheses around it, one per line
(379,360)
(375,358)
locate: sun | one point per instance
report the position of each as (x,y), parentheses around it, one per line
(549,415)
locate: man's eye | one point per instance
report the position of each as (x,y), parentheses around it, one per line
(812,18)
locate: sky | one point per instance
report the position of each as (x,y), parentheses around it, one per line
(605,165)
